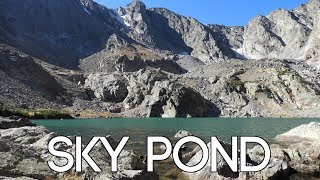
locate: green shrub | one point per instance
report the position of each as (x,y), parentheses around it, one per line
(35,113)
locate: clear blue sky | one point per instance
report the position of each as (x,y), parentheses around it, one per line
(227,12)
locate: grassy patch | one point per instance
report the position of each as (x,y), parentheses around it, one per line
(34,113)
(90,113)
(284,72)
(236,83)
(239,72)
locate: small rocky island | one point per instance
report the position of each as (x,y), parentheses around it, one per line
(24,156)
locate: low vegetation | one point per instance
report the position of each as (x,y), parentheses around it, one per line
(34,113)
(90,113)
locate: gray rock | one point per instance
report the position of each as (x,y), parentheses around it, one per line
(174,100)
(279,88)
(16,178)
(309,131)
(107,88)
(182,134)
(289,160)
(24,153)
(282,34)
(223,170)
(11,123)
(76,30)
(188,62)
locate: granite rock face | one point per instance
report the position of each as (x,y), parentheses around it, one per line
(80,55)
(298,159)
(58,30)
(14,123)
(107,88)
(148,93)
(24,155)
(282,34)
(309,132)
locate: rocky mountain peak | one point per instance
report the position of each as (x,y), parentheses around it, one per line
(138,5)
(87,2)
(311,5)
(135,15)
(282,34)
(137,61)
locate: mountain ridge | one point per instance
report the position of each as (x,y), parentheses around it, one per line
(119,62)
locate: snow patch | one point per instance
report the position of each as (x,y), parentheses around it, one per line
(239,53)
(121,19)
(85,9)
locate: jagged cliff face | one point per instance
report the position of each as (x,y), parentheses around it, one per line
(313,51)
(135,61)
(282,34)
(162,29)
(60,32)
(64,31)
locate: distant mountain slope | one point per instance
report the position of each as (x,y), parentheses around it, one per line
(137,62)
(59,31)
(63,31)
(282,34)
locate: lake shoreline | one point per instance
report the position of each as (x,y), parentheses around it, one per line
(287,161)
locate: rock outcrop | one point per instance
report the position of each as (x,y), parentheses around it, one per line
(298,159)
(282,34)
(107,88)
(148,93)
(181,134)
(279,87)
(24,155)
(209,65)
(6,123)
(309,132)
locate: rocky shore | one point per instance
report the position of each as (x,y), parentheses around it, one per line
(24,156)
(295,155)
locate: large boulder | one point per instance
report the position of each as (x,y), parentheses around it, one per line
(289,159)
(24,153)
(309,132)
(14,123)
(181,134)
(153,94)
(223,170)
(296,155)
(168,99)
(108,88)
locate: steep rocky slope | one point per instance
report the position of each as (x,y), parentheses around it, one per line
(283,34)
(80,56)
(268,88)
(59,32)
(31,83)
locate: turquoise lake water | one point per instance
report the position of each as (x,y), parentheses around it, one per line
(139,129)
